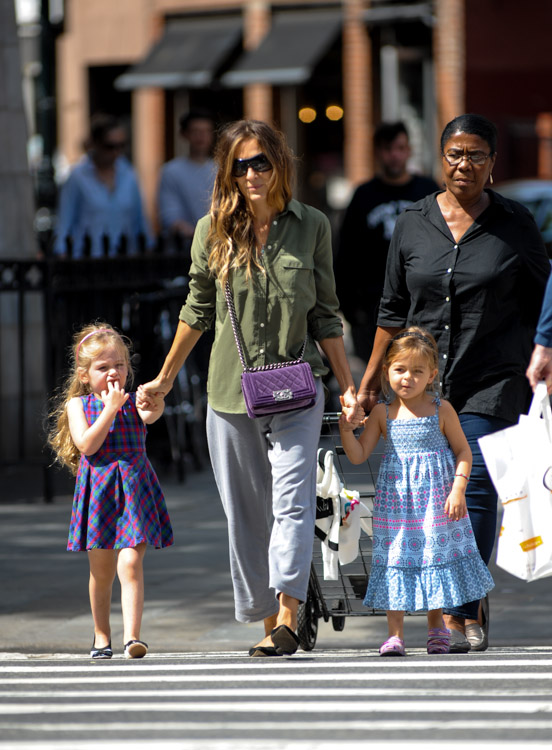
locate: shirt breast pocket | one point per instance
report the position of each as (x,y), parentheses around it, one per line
(293,276)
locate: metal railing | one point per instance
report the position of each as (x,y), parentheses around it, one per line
(44,301)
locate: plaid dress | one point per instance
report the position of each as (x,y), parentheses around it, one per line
(118,502)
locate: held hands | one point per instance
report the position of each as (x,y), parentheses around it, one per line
(158,401)
(455,506)
(114,397)
(352,413)
(149,396)
(368,399)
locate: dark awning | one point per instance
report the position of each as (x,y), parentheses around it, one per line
(188,54)
(287,55)
(389,14)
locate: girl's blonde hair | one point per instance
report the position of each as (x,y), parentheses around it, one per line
(410,342)
(231,236)
(87,346)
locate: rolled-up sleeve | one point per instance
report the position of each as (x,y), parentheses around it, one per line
(323,319)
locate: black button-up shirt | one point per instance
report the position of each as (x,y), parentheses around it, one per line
(480,298)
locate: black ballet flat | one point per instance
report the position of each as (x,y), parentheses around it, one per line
(284,640)
(263,651)
(101,653)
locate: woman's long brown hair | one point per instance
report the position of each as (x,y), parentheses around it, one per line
(231,236)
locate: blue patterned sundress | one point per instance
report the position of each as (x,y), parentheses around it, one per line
(421,560)
(118,501)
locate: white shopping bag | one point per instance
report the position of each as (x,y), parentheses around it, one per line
(519,460)
(339,521)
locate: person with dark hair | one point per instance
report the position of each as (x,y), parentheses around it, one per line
(275,255)
(469,266)
(186,182)
(100,206)
(366,231)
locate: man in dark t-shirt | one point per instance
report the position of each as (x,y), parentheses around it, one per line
(366,232)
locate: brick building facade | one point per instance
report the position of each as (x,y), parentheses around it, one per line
(423,61)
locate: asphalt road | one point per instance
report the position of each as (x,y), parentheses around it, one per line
(338,699)
(44,605)
(198,689)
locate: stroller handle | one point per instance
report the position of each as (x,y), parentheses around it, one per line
(331,417)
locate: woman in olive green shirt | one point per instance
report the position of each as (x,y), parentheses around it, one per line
(276,254)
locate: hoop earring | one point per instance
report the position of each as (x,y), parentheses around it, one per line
(491,178)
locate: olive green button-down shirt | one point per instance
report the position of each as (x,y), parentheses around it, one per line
(274,309)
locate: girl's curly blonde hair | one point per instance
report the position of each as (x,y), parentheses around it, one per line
(88,344)
(231,236)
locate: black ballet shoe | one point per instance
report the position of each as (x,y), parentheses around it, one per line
(284,640)
(106,652)
(263,651)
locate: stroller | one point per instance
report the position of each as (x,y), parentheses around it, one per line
(342,549)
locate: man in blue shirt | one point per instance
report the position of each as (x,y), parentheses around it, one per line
(186,182)
(100,208)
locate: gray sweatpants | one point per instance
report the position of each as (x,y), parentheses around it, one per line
(265,471)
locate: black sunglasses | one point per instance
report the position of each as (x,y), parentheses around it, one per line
(258,163)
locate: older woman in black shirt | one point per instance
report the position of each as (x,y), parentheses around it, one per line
(469,266)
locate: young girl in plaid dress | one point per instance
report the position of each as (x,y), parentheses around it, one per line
(118,506)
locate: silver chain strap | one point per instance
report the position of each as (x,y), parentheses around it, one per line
(238,339)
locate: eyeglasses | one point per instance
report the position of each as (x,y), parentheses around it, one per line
(456,157)
(114,145)
(258,163)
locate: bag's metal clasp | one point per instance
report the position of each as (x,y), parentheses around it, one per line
(286,394)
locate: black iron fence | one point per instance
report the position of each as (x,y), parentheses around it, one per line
(43,302)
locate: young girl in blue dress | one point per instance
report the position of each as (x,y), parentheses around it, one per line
(118,506)
(424,555)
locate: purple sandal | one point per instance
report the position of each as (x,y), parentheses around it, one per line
(393,646)
(438,641)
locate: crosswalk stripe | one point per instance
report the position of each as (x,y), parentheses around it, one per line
(321,725)
(312,692)
(440,663)
(333,677)
(288,707)
(327,654)
(243,744)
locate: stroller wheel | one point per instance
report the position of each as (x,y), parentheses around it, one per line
(307,623)
(338,624)
(338,620)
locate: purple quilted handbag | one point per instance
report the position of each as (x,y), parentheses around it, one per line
(273,388)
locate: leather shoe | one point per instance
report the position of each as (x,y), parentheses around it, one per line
(284,639)
(459,644)
(477,637)
(263,651)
